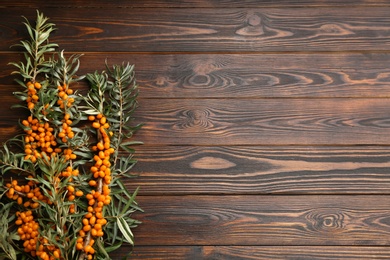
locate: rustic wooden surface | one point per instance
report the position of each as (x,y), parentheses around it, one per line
(266,122)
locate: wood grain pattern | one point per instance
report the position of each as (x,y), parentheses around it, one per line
(264,220)
(243,75)
(259,252)
(264,122)
(204,30)
(256,121)
(184,170)
(192,3)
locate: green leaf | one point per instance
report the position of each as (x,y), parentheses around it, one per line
(102,249)
(113,247)
(130,202)
(125,229)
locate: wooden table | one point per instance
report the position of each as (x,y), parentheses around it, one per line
(266,123)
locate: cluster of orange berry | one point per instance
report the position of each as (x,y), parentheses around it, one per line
(63,93)
(94,220)
(32,97)
(28,194)
(64,102)
(66,133)
(40,140)
(28,231)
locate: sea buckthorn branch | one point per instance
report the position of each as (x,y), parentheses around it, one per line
(36,48)
(72,196)
(108,124)
(124,94)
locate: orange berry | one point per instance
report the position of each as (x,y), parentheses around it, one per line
(87,228)
(44,255)
(70,188)
(79,246)
(96,125)
(56,254)
(82,233)
(87,248)
(85,221)
(98,213)
(92,220)
(61,94)
(106,162)
(93,232)
(100,146)
(26,188)
(98,226)
(30,105)
(37,85)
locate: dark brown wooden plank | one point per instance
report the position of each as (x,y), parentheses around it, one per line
(261,170)
(264,220)
(257,252)
(205,30)
(264,121)
(254,121)
(191,3)
(246,75)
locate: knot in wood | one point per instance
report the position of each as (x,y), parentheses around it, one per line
(254,26)
(333,29)
(198,117)
(195,119)
(254,20)
(325,220)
